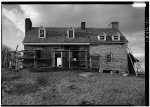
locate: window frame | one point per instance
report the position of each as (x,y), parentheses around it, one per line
(72,32)
(42,28)
(113,36)
(102,35)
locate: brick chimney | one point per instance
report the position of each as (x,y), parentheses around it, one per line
(28,24)
(83,25)
(115,25)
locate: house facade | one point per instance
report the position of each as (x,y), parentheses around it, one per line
(80,47)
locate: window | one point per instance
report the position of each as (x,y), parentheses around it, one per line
(42,32)
(70,33)
(116,37)
(102,36)
(38,53)
(108,58)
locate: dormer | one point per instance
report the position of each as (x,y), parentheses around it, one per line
(102,36)
(42,32)
(70,33)
(116,36)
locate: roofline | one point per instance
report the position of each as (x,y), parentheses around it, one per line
(107,43)
(56,43)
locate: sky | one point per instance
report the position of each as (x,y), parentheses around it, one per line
(131,21)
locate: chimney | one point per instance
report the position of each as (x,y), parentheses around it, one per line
(115,25)
(83,25)
(28,24)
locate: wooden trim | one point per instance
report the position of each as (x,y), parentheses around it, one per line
(56,43)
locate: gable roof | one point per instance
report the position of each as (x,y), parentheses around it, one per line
(59,35)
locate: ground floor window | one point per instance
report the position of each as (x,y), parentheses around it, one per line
(109,57)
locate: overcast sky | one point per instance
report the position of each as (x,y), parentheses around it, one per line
(131,21)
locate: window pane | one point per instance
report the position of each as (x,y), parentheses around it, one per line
(70,33)
(41,31)
(41,35)
(101,37)
(115,37)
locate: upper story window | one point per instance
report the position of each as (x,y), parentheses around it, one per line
(70,33)
(102,36)
(42,32)
(116,36)
(108,57)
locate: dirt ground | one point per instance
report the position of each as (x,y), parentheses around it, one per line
(71,88)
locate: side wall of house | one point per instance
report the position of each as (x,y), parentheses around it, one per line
(119,56)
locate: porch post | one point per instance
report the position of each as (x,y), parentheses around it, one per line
(34,59)
(69,57)
(86,58)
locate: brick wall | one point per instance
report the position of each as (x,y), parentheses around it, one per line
(119,56)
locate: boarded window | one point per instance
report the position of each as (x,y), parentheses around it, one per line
(108,58)
(95,62)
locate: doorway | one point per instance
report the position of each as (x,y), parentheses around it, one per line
(58,59)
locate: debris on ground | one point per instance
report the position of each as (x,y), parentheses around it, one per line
(125,75)
(87,74)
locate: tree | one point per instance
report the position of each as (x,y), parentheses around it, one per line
(5,55)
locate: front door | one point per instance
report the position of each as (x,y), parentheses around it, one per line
(58,59)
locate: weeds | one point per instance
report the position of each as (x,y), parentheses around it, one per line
(42,80)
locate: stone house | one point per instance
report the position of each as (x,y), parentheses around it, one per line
(80,47)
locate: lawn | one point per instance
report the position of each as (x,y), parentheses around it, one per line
(71,88)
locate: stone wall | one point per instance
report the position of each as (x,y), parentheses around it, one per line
(119,56)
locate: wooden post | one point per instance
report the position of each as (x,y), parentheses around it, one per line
(69,57)
(61,59)
(132,64)
(34,59)
(86,54)
(6,57)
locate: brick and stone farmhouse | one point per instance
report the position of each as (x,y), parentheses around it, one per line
(80,47)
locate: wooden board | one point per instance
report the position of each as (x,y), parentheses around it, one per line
(95,61)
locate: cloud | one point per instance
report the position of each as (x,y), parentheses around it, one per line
(15,17)
(139,55)
(31,12)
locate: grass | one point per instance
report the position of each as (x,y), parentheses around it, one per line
(69,88)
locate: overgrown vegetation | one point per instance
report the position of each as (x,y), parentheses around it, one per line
(70,88)
(42,80)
